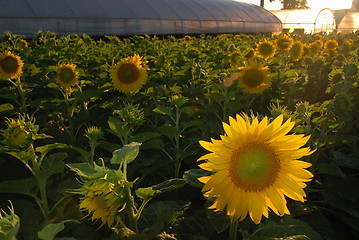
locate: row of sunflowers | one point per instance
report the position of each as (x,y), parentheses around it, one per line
(194,137)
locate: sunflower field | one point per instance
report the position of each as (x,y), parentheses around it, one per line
(206,137)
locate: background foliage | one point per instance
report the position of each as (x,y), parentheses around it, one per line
(184,101)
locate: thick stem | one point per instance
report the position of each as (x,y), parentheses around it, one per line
(233,230)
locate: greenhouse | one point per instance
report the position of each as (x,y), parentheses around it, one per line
(128,17)
(315,20)
(349,23)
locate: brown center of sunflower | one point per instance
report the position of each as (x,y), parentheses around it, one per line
(253,78)
(128,73)
(67,75)
(9,64)
(254,167)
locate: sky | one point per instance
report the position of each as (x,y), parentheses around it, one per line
(332,4)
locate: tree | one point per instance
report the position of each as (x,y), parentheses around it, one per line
(290,4)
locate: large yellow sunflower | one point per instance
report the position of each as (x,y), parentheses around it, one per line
(254,77)
(67,75)
(284,42)
(100,201)
(266,49)
(10,66)
(255,164)
(129,74)
(331,44)
(296,52)
(316,47)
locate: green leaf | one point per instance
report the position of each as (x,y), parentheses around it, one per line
(163,110)
(168,131)
(53,164)
(22,186)
(219,220)
(191,177)
(330,169)
(146,193)
(118,127)
(287,227)
(50,230)
(126,154)
(169,185)
(144,136)
(6,107)
(82,169)
(49,147)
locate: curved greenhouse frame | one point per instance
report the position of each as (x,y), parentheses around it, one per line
(132,17)
(307,20)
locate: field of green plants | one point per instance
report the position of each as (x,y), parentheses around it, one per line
(81,157)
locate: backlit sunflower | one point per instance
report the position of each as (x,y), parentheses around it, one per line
(101,201)
(266,49)
(129,74)
(250,54)
(316,47)
(306,50)
(254,77)
(234,57)
(331,44)
(347,46)
(255,164)
(10,66)
(296,52)
(284,43)
(67,75)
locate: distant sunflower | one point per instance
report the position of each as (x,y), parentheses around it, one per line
(284,42)
(129,74)
(306,50)
(347,46)
(187,38)
(331,53)
(266,49)
(254,77)
(296,51)
(255,164)
(67,75)
(10,66)
(234,58)
(250,54)
(331,44)
(100,201)
(316,47)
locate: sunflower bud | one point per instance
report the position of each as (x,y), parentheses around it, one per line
(18,133)
(94,134)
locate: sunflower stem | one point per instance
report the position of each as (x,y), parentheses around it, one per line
(233,230)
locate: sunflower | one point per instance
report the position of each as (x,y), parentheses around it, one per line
(67,75)
(284,43)
(16,135)
(347,46)
(316,47)
(100,201)
(10,66)
(255,165)
(250,54)
(306,50)
(129,74)
(331,44)
(254,77)
(234,58)
(266,49)
(296,52)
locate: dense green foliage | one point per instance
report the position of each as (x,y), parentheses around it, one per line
(184,101)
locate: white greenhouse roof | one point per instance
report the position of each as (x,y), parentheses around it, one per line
(350,23)
(130,17)
(310,20)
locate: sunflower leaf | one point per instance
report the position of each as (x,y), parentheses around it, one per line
(126,154)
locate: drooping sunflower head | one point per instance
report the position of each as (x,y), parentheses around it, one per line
(234,58)
(316,47)
(250,54)
(284,42)
(101,201)
(10,66)
(331,44)
(266,49)
(129,74)
(254,77)
(67,75)
(256,165)
(296,52)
